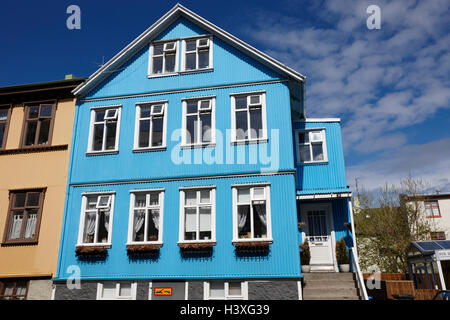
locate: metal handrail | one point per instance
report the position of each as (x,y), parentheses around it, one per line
(357,270)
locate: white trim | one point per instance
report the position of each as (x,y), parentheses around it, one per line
(319,120)
(160,207)
(83,216)
(197,39)
(300,290)
(91,130)
(168,18)
(234,111)
(137,119)
(324,195)
(117,297)
(310,143)
(227,296)
(150,73)
(267,197)
(197,187)
(198,204)
(185,101)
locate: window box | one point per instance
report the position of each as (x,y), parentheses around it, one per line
(92,250)
(196,245)
(143,248)
(252,244)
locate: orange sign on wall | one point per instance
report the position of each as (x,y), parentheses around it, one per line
(165,291)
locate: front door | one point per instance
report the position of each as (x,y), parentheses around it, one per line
(318,232)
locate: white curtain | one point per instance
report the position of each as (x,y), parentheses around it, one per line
(89,225)
(190,220)
(261,212)
(31,226)
(205,219)
(155,217)
(16,226)
(106,213)
(242,215)
(139,217)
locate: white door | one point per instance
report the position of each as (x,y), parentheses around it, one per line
(318,232)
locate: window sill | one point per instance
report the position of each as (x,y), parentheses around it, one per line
(312,163)
(255,141)
(159,75)
(33,149)
(197,71)
(143,247)
(89,249)
(198,146)
(196,245)
(10,243)
(252,243)
(154,149)
(101,153)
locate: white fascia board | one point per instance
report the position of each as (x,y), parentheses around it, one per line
(168,18)
(320,120)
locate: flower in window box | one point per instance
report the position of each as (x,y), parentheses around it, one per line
(196,245)
(301,224)
(143,248)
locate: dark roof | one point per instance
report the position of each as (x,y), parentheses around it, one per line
(39,91)
(429,247)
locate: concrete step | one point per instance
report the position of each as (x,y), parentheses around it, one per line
(333,284)
(332,292)
(331,298)
(328,276)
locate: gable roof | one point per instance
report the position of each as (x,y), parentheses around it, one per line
(179,11)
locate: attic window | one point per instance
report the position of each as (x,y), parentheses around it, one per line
(311,146)
(197,54)
(163,58)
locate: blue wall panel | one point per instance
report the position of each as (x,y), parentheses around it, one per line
(323,176)
(132,77)
(282,259)
(128,165)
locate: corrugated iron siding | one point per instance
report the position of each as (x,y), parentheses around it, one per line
(127,165)
(324,176)
(281,261)
(230,67)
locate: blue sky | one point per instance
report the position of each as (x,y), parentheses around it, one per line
(390,87)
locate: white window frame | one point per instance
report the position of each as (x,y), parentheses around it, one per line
(183,53)
(310,143)
(227,296)
(212,100)
(83,218)
(266,187)
(160,206)
(249,107)
(150,61)
(117,297)
(164,103)
(198,204)
(93,123)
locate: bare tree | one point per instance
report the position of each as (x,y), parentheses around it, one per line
(386,221)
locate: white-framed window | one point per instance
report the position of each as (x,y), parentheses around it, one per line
(311,146)
(251,213)
(248,119)
(146,216)
(150,125)
(112,290)
(163,58)
(197,215)
(225,290)
(198,121)
(104,129)
(96,219)
(197,53)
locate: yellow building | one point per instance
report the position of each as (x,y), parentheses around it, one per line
(36,122)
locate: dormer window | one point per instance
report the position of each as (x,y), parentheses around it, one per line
(197,54)
(163,58)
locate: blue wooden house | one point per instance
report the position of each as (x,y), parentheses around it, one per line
(192,168)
